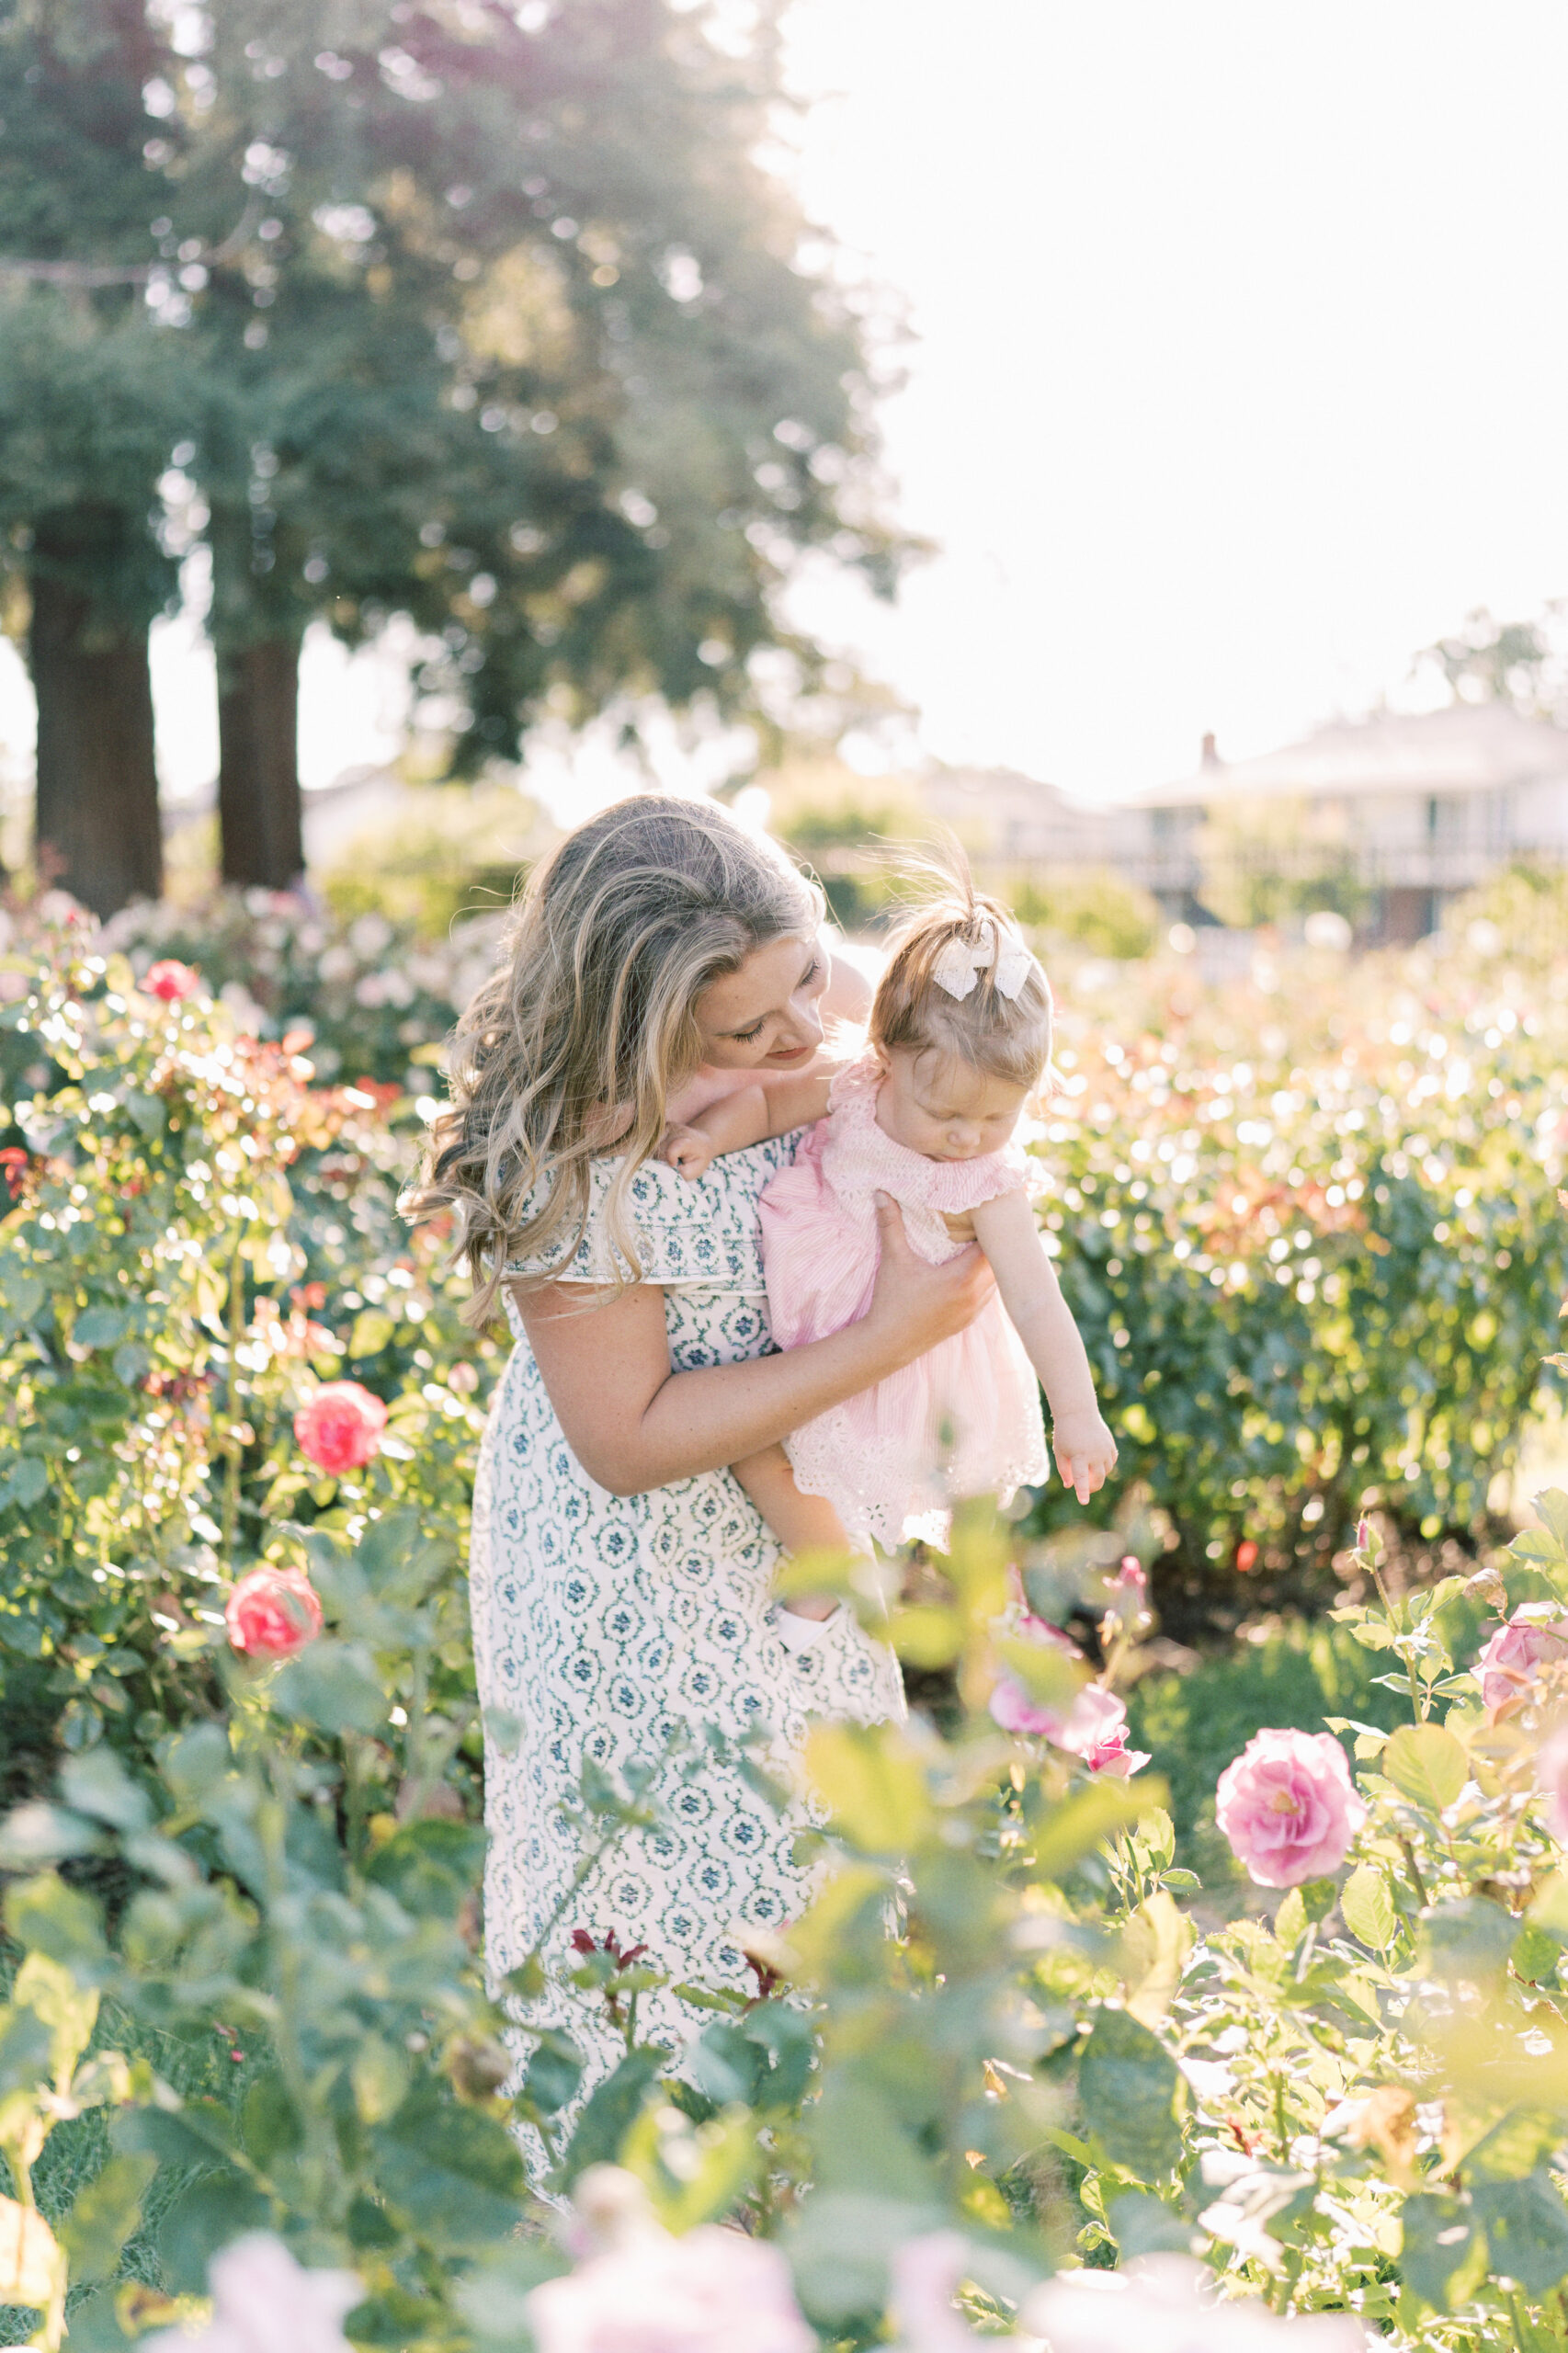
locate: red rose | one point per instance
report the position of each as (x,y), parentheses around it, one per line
(340,1428)
(171,980)
(271,1613)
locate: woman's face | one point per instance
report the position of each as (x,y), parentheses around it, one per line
(765,1014)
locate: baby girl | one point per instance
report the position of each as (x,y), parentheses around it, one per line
(958,1041)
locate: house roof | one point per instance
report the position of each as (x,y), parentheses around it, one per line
(1467,748)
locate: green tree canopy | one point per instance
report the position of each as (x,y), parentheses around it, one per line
(489,315)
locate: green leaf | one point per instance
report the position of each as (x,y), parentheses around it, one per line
(372,1329)
(38,1833)
(610,2110)
(24,1294)
(100,1327)
(454,2171)
(147,1112)
(430,1866)
(1128,2087)
(839,2248)
(553,2073)
(1527,2230)
(1145,2226)
(1551,1507)
(1426,1765)
(1290,1920)
(1468,1939)
(206,2215)
(27,1482)
(104,2215)
(1366,1907)
(333,1686)
(25,2042)
(874,1781)
(98,1784)
(47,1917)
(1092,1814)
(1444,2256)
(269,2122)
(1516,2147)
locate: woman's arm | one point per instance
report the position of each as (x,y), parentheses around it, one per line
(635,1424)
(750,1115)
(1085,1448)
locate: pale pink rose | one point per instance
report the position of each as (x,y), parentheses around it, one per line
(1288,1807)
(1552,1781)
(262,2302)
(340,1425)
(1166,2303)
(171,980)
(922,2279)
(272,1613)
(1506,1666)
(713,2291)
(1093,1727)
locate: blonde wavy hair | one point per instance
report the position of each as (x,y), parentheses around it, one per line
(588,1024)
(1009,1038)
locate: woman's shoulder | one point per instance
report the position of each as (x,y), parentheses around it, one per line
(703,1233)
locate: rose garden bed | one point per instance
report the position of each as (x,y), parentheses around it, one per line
(244,1991)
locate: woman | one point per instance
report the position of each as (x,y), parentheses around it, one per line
(619,1578)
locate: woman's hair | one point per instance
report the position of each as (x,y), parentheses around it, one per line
(590,1013)
(1007,1036)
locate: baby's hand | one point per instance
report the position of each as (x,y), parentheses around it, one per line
(1085,1450)
(686,1149)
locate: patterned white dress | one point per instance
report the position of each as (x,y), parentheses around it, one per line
(602,1623)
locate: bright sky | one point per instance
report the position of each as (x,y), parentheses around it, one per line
(1241,369)
(1243,355)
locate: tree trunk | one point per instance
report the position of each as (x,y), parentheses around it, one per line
(99,834)
(258,774)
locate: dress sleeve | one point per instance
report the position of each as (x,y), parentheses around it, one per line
(958,1186)
(703,1235)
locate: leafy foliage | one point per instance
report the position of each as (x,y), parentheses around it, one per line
(242,1913)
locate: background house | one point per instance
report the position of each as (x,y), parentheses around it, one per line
(1387,818)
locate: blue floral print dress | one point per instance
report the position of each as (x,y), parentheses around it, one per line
(618,1628)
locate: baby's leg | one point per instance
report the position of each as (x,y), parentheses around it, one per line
(802,1523)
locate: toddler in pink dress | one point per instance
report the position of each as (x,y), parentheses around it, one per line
(958,1041)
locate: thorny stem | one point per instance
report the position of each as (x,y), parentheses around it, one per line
(1414,1868)
(232,1448)
(1418,1700)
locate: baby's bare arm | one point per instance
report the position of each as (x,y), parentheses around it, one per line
(1005,1230)
(749,1116)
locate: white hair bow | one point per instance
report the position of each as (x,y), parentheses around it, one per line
(1001,953)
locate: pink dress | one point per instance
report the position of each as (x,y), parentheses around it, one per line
(963,1420)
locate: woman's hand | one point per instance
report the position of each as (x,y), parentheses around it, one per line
(914,1304)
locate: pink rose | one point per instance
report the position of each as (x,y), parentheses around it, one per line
(1552,1781)
(708,2292)
(1288,1807)
(923,2277)
(272,1613)
(171,980)
(1166,2303)
(262,2302)
(1093,1727)
(340,1427)
(1508,1666)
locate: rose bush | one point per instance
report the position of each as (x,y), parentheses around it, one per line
(244,1986)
